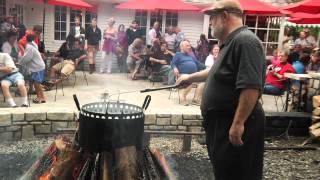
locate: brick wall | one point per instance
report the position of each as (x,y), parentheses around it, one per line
(173,122)
(19,125)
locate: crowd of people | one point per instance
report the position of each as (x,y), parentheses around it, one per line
(161,57)
(297,56)
(158,56)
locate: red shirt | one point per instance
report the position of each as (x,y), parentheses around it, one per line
(280,68)
(23,41)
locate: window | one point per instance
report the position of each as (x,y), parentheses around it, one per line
(156,16)
(2,9)
(60,23)
(267,28)
(89,16)
(73,14)
(141,18)
(171,19)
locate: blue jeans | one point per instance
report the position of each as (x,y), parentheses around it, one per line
(272,90)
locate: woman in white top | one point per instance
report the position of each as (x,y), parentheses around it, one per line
(210,61)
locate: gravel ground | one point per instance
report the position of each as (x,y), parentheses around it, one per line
(17,157)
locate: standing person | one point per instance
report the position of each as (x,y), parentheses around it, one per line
(36,31)
(93,37)
(170,38)
(21,29)
(109,46)
(311,39)
(5,27)
(154,34)
(133,32)
(202,48)
(179,38)
(32,59)
(76,32)
(233,116)
(122,48)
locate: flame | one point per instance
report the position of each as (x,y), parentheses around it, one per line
(46,176)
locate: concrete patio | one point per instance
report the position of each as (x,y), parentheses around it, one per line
(113,84)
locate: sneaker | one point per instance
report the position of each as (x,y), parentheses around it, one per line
(24,105)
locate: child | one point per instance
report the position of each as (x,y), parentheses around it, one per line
(33,61)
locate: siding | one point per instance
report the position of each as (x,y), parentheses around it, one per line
(191,23)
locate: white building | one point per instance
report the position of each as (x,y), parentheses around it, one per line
(58,20)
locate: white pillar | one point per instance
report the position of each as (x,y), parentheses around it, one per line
(206,23)
(281,33)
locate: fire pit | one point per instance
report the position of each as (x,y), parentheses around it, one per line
(108,144)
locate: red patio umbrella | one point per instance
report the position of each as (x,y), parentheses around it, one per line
(137,5)
(306,6)
(305,21)
(75,4)
(255,7)
(305,15)
(157,5)
(305,18)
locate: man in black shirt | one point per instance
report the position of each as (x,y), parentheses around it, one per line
(233,116)
(69,65)
(133,32)
(160,62)
(93,37)
(76,32)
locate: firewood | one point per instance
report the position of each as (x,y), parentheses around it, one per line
(316,111)
(315,119)
(316,101)
(107,166)
(315,133)
(126,163)
(314,126)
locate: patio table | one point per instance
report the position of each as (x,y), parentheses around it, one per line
(299,77)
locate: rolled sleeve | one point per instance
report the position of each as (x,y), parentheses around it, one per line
(251,66)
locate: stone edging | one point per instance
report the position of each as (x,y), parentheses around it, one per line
(29,123)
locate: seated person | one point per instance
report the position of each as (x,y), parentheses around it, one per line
(210,61)
(9,75)
(134,59)
(184,63)
(213,56)
(11,46)
(61,54)
(314,64)
(33,61)
(69,65)
(161,60)
(275,80)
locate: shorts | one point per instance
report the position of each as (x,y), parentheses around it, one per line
(38,77)
(14,78)
(67,67)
